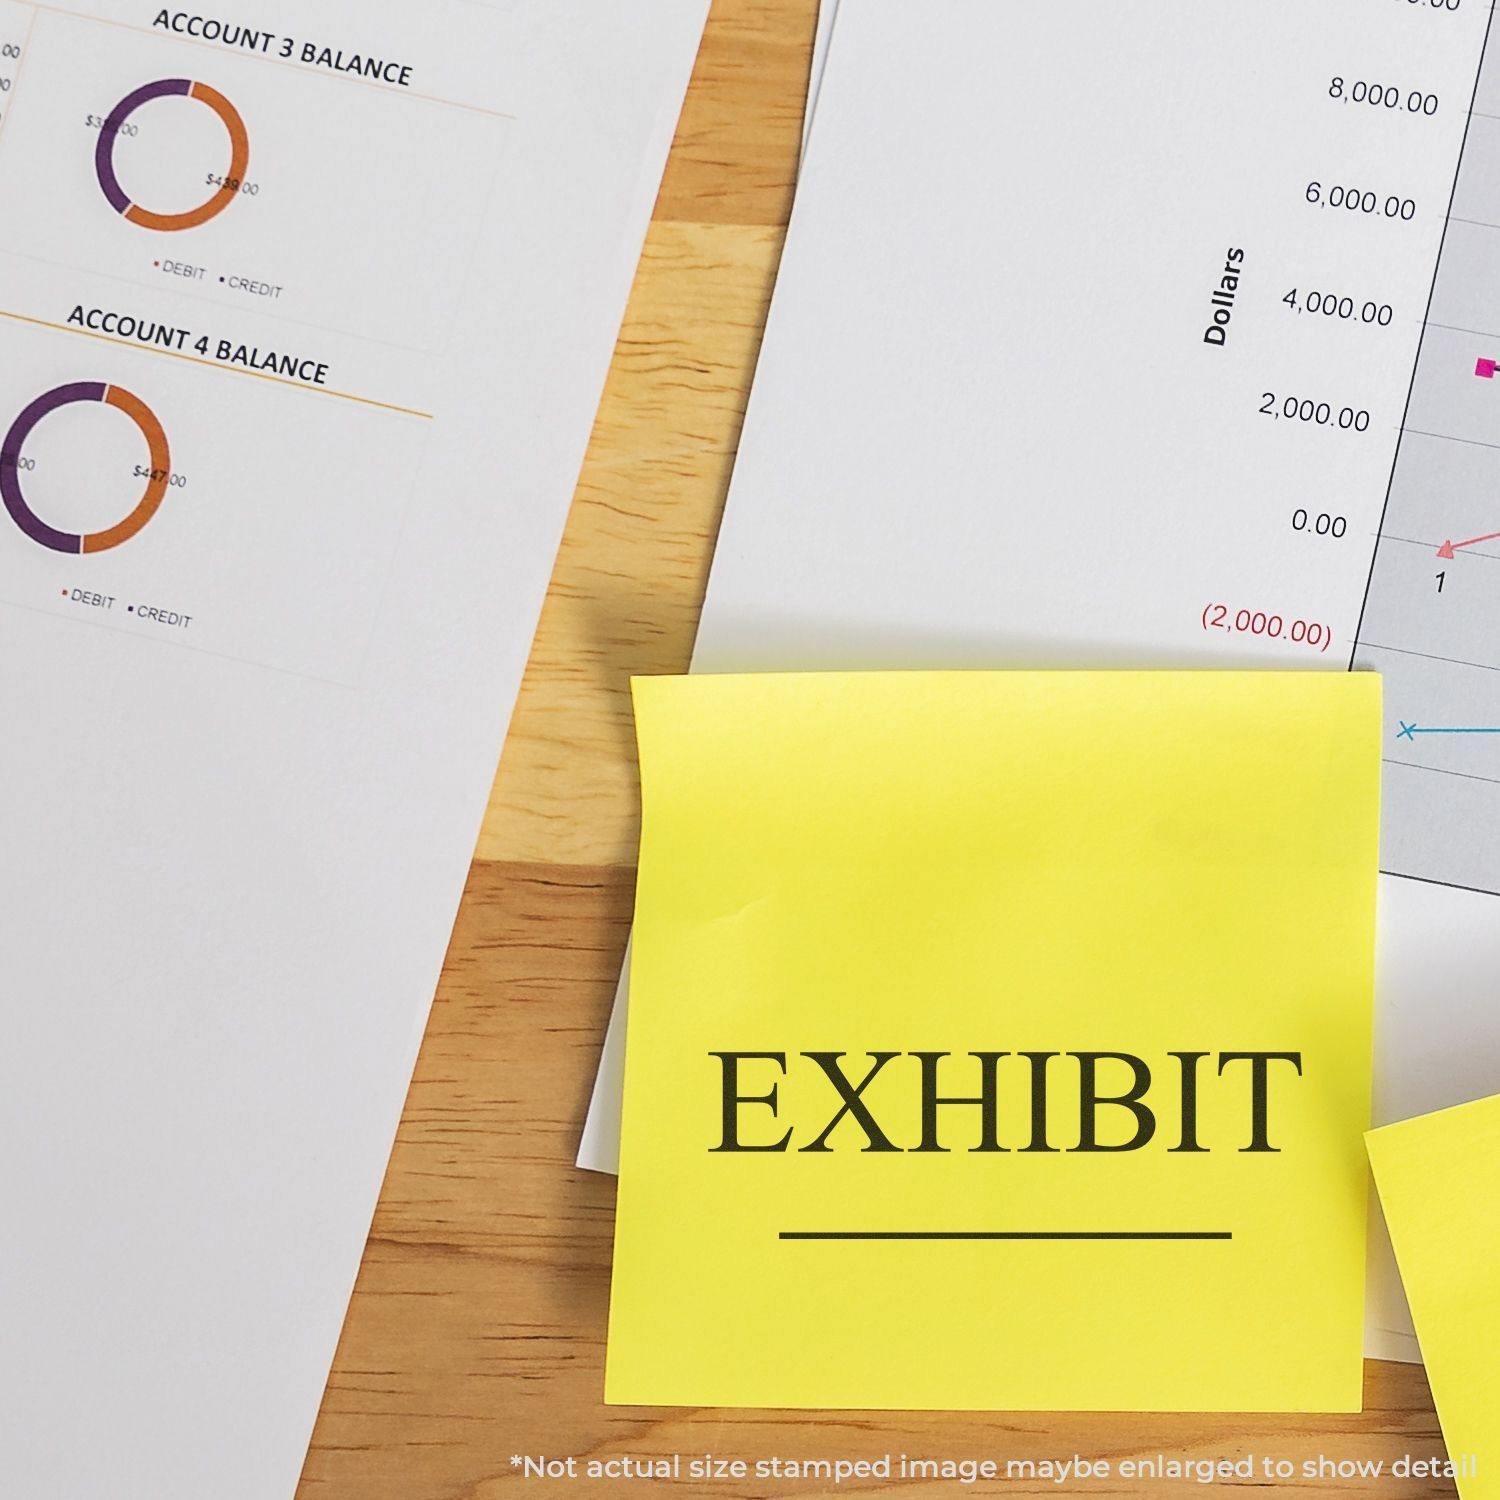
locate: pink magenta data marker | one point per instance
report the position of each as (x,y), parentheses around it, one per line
(1485,369)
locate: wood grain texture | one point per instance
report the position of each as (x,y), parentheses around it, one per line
(633,565)
(477,1328)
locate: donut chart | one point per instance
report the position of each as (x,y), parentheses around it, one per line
(167,88)
(78,543)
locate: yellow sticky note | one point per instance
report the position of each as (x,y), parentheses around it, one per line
(999,1040)
(1439,1181)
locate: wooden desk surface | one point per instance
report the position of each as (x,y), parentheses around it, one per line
(477,1328)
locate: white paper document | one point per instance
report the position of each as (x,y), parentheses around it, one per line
(827,13)
(1102,337)
(305,310)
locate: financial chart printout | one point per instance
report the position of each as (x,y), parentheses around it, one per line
(1103,353)
(182,271)
(305,309)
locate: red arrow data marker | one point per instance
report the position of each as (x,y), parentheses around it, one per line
(1449,549)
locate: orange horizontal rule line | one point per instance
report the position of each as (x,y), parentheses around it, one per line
(213,364)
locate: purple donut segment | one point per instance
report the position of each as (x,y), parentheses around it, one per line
(104,149)
(10,457)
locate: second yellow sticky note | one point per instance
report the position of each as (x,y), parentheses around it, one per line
(1439,1179)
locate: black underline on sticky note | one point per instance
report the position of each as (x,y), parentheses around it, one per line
(1006,1234)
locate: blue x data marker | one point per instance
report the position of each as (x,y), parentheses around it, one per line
(1411,731)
